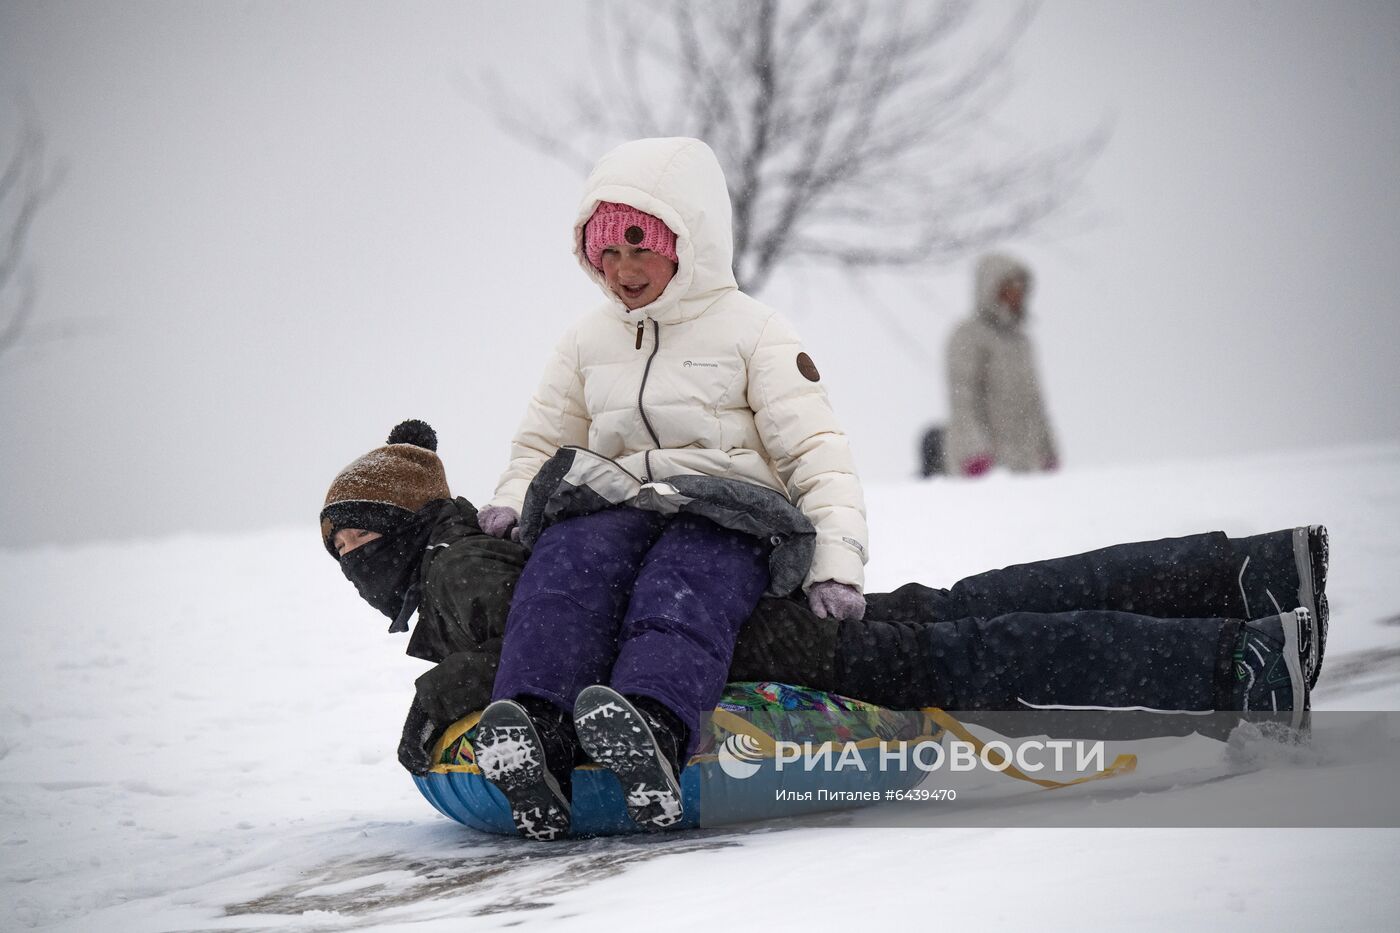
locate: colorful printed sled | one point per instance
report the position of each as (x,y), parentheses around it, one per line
(733,778)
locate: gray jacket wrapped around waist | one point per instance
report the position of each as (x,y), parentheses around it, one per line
(577,481)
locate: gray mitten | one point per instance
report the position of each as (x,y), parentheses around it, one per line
(837,600)
(497,520)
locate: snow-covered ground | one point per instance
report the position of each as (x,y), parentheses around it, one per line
(198,733)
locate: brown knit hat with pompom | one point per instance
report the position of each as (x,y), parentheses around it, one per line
(382,490)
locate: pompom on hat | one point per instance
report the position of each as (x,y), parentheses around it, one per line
(614,224)
(385,488)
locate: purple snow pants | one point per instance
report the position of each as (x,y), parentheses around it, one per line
(649,605)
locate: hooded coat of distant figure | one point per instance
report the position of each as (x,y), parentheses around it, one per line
(703,381)
(994,393)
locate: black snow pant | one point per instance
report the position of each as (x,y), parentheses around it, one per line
(1148,627)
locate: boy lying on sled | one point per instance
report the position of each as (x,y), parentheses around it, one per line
(1200,623)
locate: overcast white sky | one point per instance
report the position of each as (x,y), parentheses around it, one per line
(285,227)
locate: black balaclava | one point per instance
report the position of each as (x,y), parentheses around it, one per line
(385,571)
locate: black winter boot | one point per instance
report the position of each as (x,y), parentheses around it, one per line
(1268,669)
(1283,570)
(526,747)
(666,727)
(640,741)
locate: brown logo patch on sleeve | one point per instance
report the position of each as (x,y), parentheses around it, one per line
(807,368)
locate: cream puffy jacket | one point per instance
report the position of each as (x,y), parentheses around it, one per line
(704,380)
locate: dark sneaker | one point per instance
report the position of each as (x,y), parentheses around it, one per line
(1268,666)
(640,749)
(512,755)
(1286,569)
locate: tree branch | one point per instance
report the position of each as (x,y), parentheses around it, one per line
(852,133)
(26,184)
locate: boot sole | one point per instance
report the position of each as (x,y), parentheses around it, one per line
(511,756)
(615,735)
(1311,549)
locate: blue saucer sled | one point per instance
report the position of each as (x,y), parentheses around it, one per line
(735,776)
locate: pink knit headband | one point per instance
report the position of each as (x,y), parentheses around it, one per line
(614,224)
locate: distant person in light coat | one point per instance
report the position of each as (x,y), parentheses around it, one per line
(998,415)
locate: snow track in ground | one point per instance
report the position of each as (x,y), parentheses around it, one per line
(198,733)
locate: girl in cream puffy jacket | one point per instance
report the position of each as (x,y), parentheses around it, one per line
(678,459)
(719,385)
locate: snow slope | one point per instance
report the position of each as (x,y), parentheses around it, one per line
(197,733)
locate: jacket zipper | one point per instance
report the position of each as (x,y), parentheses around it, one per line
(594,453)
(656,441)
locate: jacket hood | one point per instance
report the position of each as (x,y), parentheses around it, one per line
(679,181)
(993,270)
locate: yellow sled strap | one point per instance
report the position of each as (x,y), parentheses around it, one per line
(1123,764)
(453,733)
(741,726)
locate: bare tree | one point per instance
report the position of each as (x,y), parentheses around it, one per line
(25,185)
(852,133)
